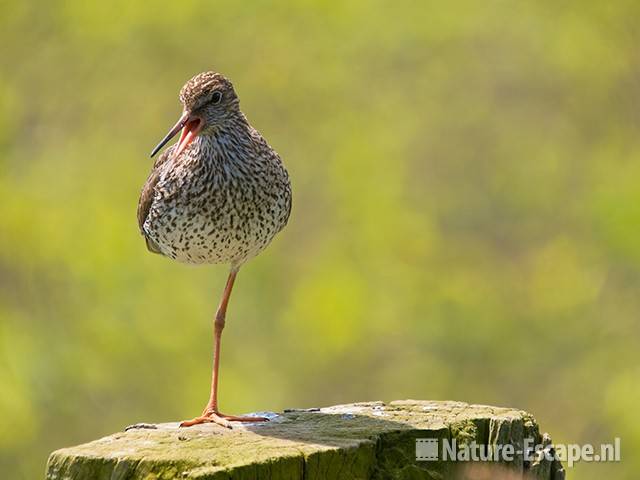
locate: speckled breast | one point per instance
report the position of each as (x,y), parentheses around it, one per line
(210,209)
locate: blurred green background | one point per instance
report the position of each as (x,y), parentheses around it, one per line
(465,224)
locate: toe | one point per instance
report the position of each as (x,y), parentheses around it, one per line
(235,418)
(210,418)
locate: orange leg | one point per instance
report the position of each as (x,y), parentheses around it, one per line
(211,414)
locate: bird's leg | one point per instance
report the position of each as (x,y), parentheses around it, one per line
(211,414)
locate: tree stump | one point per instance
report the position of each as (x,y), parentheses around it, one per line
(370,440)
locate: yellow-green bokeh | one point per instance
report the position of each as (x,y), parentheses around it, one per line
(466,219)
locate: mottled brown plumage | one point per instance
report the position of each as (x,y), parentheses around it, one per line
(219,195)
(225,196)
(146,197)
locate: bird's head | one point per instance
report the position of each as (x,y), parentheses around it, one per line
(208,101)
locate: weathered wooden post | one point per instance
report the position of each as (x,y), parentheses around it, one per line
(404,439)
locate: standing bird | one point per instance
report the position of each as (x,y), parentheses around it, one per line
(219,195)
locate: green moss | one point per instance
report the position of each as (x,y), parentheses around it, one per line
(358,441)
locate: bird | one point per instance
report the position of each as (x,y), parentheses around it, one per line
(218,195)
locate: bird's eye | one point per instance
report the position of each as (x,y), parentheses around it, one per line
(216,97)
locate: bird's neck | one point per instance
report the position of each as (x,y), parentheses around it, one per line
(225,143)
(233,124)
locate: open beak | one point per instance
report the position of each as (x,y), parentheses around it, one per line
(190,127)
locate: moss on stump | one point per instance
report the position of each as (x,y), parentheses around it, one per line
(369,440)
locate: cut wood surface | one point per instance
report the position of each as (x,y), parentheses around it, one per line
(370,440)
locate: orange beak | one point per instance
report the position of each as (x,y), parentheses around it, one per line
(190,127)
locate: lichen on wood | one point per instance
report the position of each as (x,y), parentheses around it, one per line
(369,440)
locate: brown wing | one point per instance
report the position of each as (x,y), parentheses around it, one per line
(146,196)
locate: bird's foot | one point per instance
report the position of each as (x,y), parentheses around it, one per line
(212,416)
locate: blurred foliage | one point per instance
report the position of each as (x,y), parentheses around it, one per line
(465,224)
